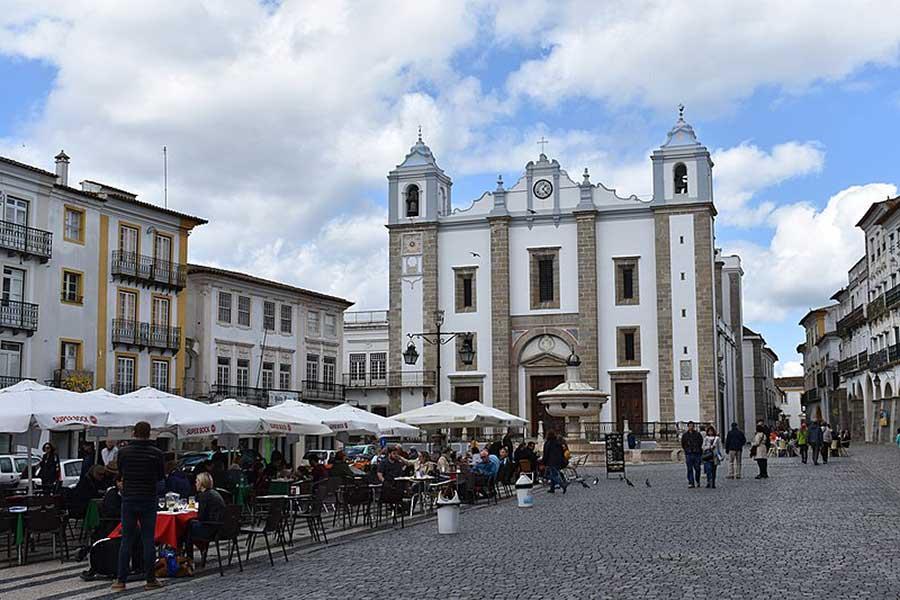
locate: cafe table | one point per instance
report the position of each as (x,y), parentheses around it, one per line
(280,486)
(170,526)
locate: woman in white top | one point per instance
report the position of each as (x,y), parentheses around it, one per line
(712,455)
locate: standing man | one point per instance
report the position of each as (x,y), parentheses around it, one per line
(734,445)
(815,440)
(692,444)
(554,459)
(141,466)
(803,442)
(827,437)
(110,453)
(88,458)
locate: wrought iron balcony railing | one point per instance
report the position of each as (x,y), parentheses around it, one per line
(146,335)
(148,270)
(18,316)
(324,391)
(26,241)
(8,380)
(258,396)
(76,380)
(394,379)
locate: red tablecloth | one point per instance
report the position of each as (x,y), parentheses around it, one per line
(169,527)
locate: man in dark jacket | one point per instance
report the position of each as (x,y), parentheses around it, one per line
(734,446)
(692,444)
(554,459)
(814,437)
(141,465)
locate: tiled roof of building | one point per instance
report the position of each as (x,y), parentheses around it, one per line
(204,269)
(22,165)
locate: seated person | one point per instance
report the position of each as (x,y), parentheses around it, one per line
(391,467)
(110,517)
(177,481)
(317,469)
(210,508)
(423,464)
(340,468)
(489,464)
(89,486)
(444,462)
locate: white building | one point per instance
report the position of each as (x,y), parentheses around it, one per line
(93,284)
(262,341)
(760,394)
(792,389)
(821,352)
(550,265)
(365,359)
(729,345)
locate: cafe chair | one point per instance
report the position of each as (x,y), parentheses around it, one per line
(271,524)
(8,526)
(46,520)
(392,496)
(229,529)
(313,514)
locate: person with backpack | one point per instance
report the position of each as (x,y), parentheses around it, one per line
(734,446)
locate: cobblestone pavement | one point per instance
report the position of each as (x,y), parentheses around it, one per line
(828,531)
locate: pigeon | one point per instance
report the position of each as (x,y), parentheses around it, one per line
(532,211)
(647,483)
(596,480)
(583,483)
(475,254)
(628,481)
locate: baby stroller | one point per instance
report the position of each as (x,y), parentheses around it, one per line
(570,474)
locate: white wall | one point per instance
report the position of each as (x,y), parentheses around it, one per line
(543,234)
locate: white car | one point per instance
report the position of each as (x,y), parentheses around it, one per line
(12,467)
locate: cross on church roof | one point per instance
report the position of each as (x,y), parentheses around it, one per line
(542,142)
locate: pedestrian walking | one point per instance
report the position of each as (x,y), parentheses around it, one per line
(734,446)
(141,465)
(827,438)
(759,453)
(815,441)
(554,460)
(48,469)
(692,444)
(712,455)
(803,442)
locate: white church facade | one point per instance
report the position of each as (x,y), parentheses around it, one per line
(552,265)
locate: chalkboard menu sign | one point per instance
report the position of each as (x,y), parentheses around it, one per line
(615,453)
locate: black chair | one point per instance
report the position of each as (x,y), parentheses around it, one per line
(272,524)
(46,520)
(229,529)
(8,526)
(313,514)
(355,500)
(393,496)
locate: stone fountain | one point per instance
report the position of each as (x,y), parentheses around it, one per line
(573,398)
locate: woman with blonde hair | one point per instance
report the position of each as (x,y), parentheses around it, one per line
(210,508)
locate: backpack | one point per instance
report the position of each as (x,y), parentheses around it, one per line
(104,556)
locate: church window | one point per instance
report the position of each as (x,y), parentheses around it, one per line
(412,201)
(628,346)
(626,274)
(681,179)
(465,296)
(544,278)
(683,313)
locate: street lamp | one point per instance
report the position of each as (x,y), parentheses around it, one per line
(438,338)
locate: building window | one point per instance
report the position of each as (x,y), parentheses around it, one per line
(268,375)
(681,179)
(128,239)
(10,359)
(16,211)
(243,373)
(72,287)
(626,273)
(683,312)
(160,374)
(225,307)
(680,239)
(312,322)
(628,346)
(73,225)
(223,371)
(243,310)
(69,355)
(127,308)
(378,366)
(682,275)
(465,290)
(161,312)
(125,382)
(412,201)
(269,315)
(357,368)
(284,376)
(13,285)
(328,372)
(330,326)
(312,367)
(544,278)
(287,319)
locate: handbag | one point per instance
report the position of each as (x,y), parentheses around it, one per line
(708,455)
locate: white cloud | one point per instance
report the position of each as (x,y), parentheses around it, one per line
(809,254)
(742,171)
(788,368)
(701,52)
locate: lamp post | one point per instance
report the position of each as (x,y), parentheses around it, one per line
(438,338)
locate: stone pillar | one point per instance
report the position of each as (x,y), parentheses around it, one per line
(501,344)
(706,314)
(396,341)
(430,302)
(587,297)
(664,317)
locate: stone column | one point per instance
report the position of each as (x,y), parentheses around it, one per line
(664,317)
(430,301)
(706,314)
(501,344)
(395,306)
(587,297)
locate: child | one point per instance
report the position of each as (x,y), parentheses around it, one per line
(897,439)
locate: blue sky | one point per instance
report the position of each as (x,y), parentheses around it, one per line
(298,111)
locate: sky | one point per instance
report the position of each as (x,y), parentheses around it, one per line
(282,119)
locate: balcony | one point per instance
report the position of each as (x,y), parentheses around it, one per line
(18,317)
(396,379)
(146,270)
(321,391)
(878,360)
(146,335)
(8,380)
(876,308)
(26,241)
(119,388)
(366,317)
(892,297)
(257,396)
(851,321)
(75,380)
(862,360)
(848,365)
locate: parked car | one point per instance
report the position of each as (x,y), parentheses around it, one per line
(326,457)
(191,461)
(361,455)
(11,468)
(71,472)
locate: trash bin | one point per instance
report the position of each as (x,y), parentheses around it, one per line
(523,491)
(448,514)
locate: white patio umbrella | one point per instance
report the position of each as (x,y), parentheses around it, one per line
(193,419)
(299,410)
(28,406)
(356,420)
(509,419)
(447,414)
(274,422)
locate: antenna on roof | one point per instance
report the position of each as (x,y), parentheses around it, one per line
(165,178)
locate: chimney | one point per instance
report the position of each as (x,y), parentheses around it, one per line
(62,168)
